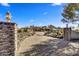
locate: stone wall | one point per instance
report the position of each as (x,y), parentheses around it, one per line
(8,36)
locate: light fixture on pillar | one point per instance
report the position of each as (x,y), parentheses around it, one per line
(8,16)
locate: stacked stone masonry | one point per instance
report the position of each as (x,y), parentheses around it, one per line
(7,39)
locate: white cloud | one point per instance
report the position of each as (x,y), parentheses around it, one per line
(45,13)
(54,4)
(5,4)
(32,20)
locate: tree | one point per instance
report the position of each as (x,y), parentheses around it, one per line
(70,13)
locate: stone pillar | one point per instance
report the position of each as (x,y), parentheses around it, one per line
(15,26)
(8,36)
(67,33)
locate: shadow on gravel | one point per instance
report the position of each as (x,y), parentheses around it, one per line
(48,48)
(45,48)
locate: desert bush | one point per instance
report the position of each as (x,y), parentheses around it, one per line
(54,33)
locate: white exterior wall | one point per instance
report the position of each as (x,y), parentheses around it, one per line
(74,35)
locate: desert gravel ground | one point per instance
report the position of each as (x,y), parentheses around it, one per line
(40,45)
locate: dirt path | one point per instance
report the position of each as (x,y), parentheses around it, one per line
(28,42)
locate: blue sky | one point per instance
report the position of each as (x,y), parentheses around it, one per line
(26,14)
